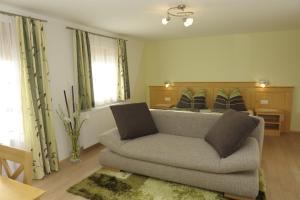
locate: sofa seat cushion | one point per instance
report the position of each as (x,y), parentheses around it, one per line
(184,152)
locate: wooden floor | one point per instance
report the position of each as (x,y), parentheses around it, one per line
(57,183)
(281,164)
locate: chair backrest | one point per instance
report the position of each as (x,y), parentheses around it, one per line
(22,157)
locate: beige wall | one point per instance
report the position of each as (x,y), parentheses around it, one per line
(242,57)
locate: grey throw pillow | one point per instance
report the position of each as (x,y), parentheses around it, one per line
(230,131)
(133,120)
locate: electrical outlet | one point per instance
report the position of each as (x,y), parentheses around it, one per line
(167,98)
(264,102)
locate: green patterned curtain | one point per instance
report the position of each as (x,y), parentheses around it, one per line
(84,70)
(123,77)
(36,99)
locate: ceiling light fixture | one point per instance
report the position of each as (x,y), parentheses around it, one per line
(179,11)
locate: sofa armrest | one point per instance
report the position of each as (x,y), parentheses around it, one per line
(110,131)
(258,133)
(111,139)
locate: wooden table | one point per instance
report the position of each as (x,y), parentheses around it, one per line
(13,190)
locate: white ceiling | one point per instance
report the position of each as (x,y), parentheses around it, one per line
(142,18)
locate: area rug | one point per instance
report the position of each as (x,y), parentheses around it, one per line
(111,185)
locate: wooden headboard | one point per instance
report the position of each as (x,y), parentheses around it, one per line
(254,96)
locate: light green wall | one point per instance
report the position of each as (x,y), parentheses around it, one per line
(241,57)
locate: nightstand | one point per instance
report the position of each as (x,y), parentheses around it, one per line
(273,119)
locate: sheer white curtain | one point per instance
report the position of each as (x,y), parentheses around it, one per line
(11,120)
(104,55)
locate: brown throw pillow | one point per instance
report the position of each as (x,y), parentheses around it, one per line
(133,120)
(230,131)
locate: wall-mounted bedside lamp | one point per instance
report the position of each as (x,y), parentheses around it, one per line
(263,83)
(167,84)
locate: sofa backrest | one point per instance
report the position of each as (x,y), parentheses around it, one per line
(194,124)
(184,123)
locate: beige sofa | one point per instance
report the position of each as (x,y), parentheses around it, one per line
(180,154)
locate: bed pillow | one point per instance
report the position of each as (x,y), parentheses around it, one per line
(236,101)
(199,100)
(133,120)
(229,133)
(185,99)
(221,100)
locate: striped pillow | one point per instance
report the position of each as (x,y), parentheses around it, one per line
(236,101)
(221,100)
(185,99)
(199,100)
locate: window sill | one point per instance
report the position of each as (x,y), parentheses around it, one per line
(101,107)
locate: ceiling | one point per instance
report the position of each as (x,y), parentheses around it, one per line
(142,18)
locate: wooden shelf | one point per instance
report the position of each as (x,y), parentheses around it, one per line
(266,122)
(272,126)
(273,120)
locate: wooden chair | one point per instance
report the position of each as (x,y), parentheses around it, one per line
(22,157)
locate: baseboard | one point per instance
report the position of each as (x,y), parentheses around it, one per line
(95,146)
(234,197)
(294,132)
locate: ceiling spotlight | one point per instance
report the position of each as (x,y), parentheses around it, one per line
(188,21)
(179,11)
(165,20)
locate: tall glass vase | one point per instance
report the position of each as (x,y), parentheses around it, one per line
(75,150)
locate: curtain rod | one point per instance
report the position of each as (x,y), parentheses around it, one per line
(14,14)
(114,38)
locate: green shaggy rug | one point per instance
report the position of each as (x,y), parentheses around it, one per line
(111,185)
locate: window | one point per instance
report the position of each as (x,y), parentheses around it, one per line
(104,56)
(11,129)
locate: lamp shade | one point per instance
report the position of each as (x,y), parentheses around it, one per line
(263,83)
(165,20)
(188,22)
